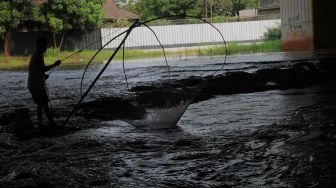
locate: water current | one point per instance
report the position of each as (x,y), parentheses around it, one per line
(277,138)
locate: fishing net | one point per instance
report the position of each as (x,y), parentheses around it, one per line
(156,117)
(161,118)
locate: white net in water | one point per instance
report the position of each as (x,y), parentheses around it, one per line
(161,118)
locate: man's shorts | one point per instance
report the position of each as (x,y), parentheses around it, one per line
(39,96)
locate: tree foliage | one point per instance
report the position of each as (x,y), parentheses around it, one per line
(148,9)
(211,8)
(238,5)
(205,8)
(63,15)
(11,14)
(223,7)
(252,4)
(57,15)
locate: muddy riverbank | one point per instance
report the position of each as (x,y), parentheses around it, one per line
(164,94)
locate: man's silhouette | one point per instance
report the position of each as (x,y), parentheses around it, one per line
(37,81)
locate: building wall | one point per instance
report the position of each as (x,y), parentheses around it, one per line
(264,4)
(297,24)
(268,7)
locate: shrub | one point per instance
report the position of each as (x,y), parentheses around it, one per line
(52,52)
(273,33)
(122,23)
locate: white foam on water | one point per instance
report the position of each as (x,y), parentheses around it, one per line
(161,118)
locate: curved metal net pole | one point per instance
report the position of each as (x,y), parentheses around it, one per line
(177,16)
(135,24)
(88,64)
(123,63)
(80,50)
(163,49)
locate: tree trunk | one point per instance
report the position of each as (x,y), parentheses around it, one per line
(55,43)
(6,43)
(211,10)
(61,43)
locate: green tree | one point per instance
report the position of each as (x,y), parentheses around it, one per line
(238,5)
(155,8)
(251,4)
(223,7)
(206,8)
(132,6)
(63,15)
(11,15)
(148,9)
(213,8)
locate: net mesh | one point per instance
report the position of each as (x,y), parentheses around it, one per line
(161,118)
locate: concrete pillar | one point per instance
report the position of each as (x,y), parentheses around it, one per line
(324,24)
(308,24)
(297,24)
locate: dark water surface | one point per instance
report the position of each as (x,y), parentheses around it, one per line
(278,138)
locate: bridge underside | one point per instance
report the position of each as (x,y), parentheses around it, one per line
(308,24)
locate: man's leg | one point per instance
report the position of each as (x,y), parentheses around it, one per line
(39,115)
(49,114)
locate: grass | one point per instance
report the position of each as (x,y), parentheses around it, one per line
(17,62)
(264,47)
(51,55)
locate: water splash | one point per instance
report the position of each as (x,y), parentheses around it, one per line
(161,118)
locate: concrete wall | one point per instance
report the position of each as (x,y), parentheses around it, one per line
(191,34)
(297,24)
(23,43)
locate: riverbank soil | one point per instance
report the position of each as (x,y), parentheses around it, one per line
(263,124)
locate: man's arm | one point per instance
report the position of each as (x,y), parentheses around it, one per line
(47,68)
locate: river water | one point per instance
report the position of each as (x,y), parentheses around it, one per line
(277,138)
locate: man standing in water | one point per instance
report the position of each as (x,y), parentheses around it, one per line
(37,81)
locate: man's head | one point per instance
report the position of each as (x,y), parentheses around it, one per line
(41,44)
